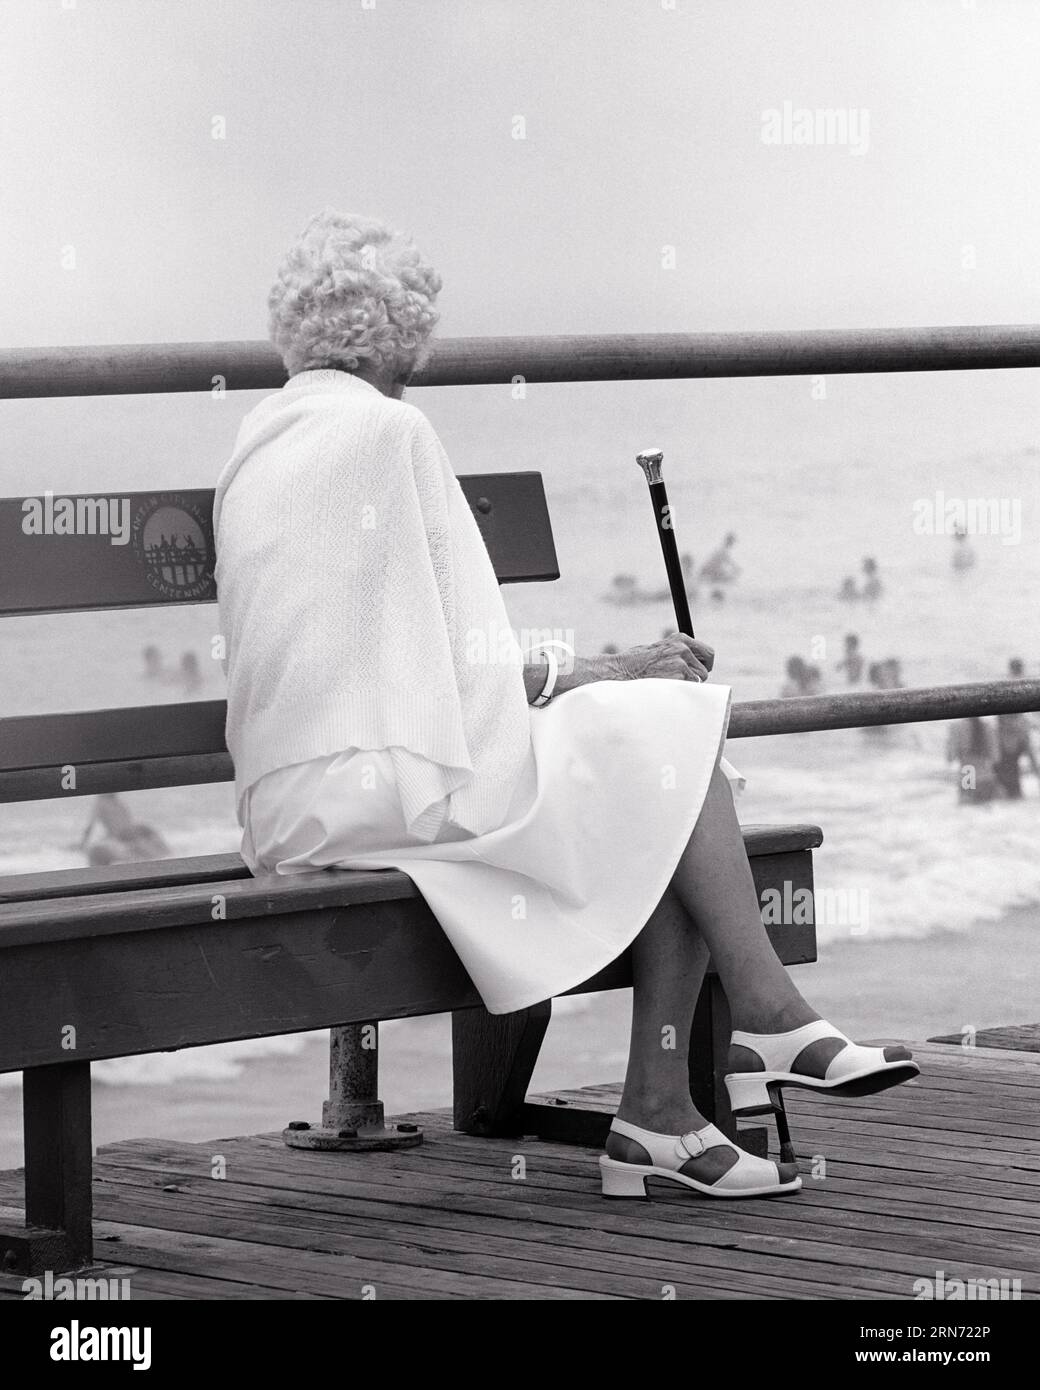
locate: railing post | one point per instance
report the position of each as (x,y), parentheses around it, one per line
(352,1117)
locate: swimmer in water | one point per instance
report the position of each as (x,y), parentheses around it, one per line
(877,676)
(720,567)
(852,662)
(802,679)
(190,674)
(689,569)
(848,592)
(872,581)
(624,589)
(963,557)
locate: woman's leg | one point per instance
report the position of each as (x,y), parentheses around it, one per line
(669,958)
(714,883)
(710,906)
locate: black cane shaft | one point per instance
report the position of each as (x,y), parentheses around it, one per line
(670,551)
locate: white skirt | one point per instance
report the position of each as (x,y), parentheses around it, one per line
(615,781)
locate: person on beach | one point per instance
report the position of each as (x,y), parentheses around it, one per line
(1014,742)
(113,836)
(972,745)
(553,810)
(852,662)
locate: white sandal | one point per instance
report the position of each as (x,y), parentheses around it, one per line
(668,1153)
(854,1071)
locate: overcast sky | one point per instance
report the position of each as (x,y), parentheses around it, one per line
(644,130)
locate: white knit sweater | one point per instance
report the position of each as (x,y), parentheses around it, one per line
(359,605)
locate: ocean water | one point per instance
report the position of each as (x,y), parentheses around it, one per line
(809,486)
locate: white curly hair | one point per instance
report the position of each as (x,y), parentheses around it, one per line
(349,290)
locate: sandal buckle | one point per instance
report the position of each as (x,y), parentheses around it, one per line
(684,1144)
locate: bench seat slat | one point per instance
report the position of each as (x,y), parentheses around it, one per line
(114,878)
(126,898)
(211,868)
(177,904)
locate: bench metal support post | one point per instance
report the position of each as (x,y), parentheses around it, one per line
(58,1201)
(352,1117)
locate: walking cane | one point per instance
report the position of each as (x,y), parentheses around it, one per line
(650,461)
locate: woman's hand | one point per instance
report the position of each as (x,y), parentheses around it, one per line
(675,658)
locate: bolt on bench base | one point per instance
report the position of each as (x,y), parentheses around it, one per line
(36,1249)
(375,1138)
(352,1117)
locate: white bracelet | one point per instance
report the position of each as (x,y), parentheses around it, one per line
(546,649)
(550,680)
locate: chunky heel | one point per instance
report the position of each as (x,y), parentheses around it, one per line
(749,1093)
(853,1070)
(621,1179)
(669,1155)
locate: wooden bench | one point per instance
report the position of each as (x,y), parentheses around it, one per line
(148,957)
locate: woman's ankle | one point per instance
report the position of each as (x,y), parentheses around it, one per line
(768,1016)
(661,1114)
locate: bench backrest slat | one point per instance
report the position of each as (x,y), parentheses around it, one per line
(140,550)
(143,731)
(76,553)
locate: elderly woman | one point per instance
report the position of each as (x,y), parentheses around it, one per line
(551,813)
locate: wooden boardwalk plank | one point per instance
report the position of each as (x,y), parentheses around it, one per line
(941,1174)
(800,1220)
(263,1167)
(818,1206)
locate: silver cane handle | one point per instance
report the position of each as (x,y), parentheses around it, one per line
(650,461)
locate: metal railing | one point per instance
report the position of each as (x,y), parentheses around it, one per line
(135,368)
(908,705)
